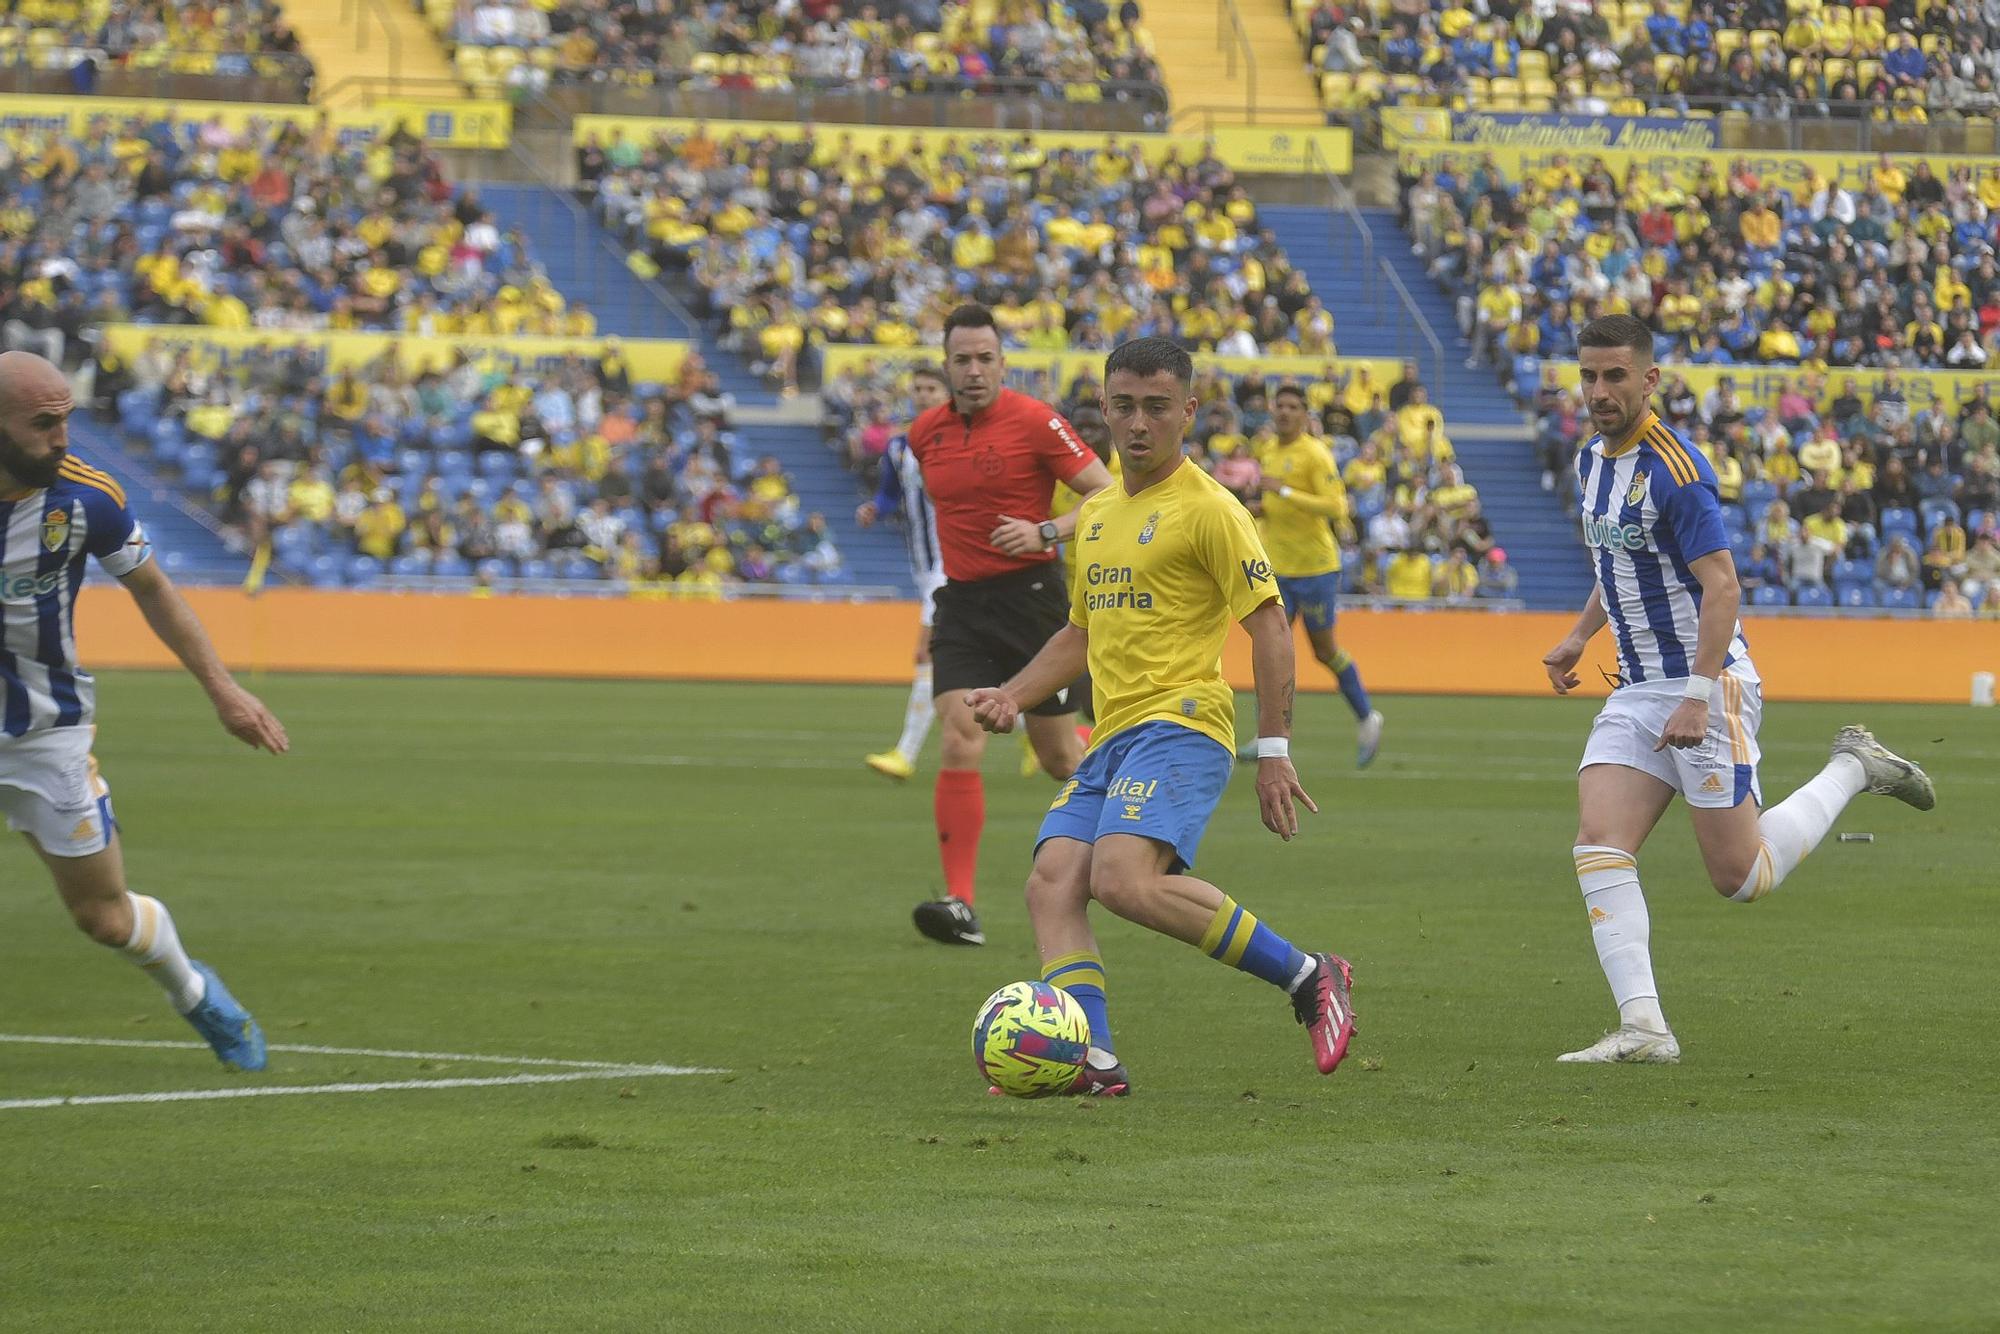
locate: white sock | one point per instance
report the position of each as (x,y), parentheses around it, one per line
(1794,827)
(1622,932)
(917,715)
(1306,970)
(156,947)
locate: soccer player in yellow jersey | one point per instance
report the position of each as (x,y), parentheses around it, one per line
(1166,559)
(1302,499)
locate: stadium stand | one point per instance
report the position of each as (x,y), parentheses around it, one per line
(1023,46)
(1899,271)
(274,227)
(1835,495)
(1901,62)
(792,245)
(88,43)
(575,473)
(1409,502)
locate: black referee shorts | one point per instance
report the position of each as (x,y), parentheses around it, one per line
(986,630)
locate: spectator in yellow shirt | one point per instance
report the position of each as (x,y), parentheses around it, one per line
(1456,578)
(379,528)
(1409,576)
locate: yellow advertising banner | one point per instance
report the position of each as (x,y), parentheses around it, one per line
(1759,386)
(837,358)
(1404,125)
(1285,150)
(1789,171)
(463,124)
(1262,150)
(649,358)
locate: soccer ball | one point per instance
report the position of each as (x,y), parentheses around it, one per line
(1030,1039)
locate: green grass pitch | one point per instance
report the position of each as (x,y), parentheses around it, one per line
(706,876)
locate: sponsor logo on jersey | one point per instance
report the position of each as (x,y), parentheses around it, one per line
(1598,915)
(1095,529)
(1062,797)
(55,530)
(1256,572)
(1712,783)
(21,587)
(1599,532)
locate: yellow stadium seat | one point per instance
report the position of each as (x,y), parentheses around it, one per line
(1634,106)
(1762,40)
(1544,89)
(1319,55)
(1083,92)
(1504,87)
(1534,63)
(1368,87)
(1408,84)
(1837,16)
(1796,7)
(1838,69)
(1867,71)
(1336,91)
(1796,66)
(1478,87)
(1930,43)
(1667,70)
(501,59)
(1540,102)
(705,62)
(1726,42)
(470,62)
(1504,102)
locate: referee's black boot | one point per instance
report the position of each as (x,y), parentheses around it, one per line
(951,921)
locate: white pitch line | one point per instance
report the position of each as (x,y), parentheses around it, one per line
(310,1050)
(388,1086)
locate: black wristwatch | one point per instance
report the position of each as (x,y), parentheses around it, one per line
(1050,533)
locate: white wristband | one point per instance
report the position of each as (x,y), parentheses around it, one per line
(1274,748)
(1699,688)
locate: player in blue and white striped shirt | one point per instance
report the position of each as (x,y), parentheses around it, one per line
(901,489)
(1683,716)
(56,512)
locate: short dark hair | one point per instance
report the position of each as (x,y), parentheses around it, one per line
(1618,331)
(926,371)
(1291,389)
(971,315)
(1150,356)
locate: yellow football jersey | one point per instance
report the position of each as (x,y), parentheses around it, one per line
(1298,529)
(1160,577)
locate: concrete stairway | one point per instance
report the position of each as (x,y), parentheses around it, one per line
(1494,448)
(189,549)
(371,41)
(1192,43)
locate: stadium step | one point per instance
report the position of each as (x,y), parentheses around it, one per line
(1370,321)
(870,556)
(584,262)
(1192,48)
(184,538)
(358,49)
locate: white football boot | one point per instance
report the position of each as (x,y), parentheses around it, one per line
(1631,1046)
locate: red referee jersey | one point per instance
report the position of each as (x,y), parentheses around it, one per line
(1003,463)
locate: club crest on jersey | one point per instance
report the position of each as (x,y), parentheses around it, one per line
(1152,523)
(1638,491)
(55,530)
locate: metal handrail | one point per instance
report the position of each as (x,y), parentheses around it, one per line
(1228,18)
(1418,322)
(390,36)
(1341,200)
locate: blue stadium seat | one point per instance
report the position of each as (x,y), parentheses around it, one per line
(451,567)
(1757,495)
(581,567)
(1899,599)
(409,567)
(1735,519)
(324,571)
(1852,572)
(499,466)
(1976,520)
(1902,521)
(1769,595)
(455,463)
(537,568)
(1814,595)
(1856,595)
(1740,544)
(495,567)
(363,571)
(412,462)
(1934,512)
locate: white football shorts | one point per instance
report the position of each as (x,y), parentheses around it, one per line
(50,789)
(1719,773)
(927,587)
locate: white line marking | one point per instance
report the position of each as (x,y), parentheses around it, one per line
(310,1050)
(389,1086)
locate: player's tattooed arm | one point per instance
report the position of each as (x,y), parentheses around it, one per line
(1291,694)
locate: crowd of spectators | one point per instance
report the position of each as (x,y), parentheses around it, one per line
(1834,494)
(173,36)
(476,470)
(791,245)
(1413,532)
(1894,60)
(1897,269)
(275,226)
(1076,49)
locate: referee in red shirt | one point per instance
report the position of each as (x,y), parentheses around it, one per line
(991,459)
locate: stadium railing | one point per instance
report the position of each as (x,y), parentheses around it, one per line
(997,103)
(1234,40)
(165,74)
(1415,329)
